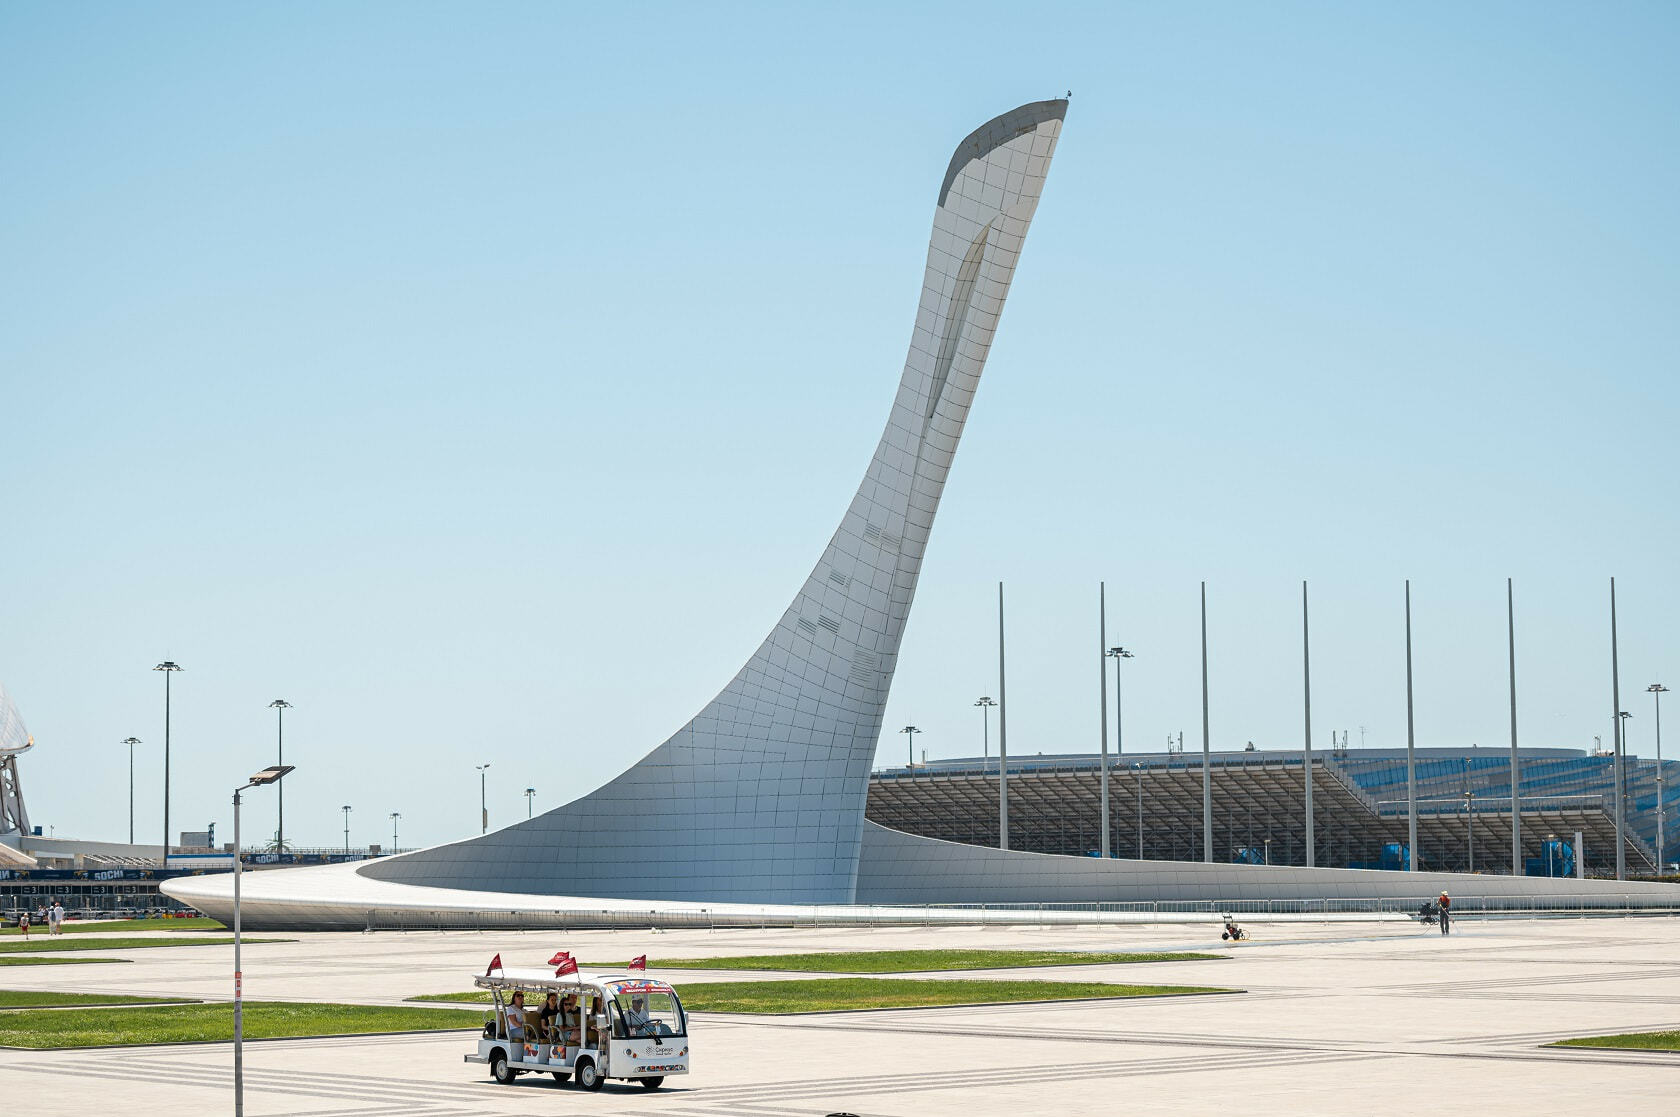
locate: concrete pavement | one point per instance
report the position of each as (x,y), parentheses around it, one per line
(1338,1018)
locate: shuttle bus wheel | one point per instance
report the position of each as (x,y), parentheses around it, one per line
(589,1075)
(652,1083)
(499,1069)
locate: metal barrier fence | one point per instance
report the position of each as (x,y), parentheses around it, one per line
(1166,911)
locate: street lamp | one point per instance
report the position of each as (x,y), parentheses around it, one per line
(910,732)
(1621,780)
(985,705)
(346,810)
(1119,728)
(483,808)
(1657,691)
(280,706)
(1137,770)
(168,667)
(1470,828)
(131,742)
(530,795)
(1551,849)
(266,776)
(394,816)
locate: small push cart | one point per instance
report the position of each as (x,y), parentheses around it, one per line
(602,1026)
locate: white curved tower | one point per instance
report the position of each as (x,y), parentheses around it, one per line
(761,796)
(14,740)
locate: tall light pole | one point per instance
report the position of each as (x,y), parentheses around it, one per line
(1306,753)
(910,732)
(1411,747)
(1207,755)
(280,706)
(1621,770)
(1470,827)
(1616,724)
(346,810)
(1102,719)
(395,815)
(168,667)
(131,742)
(1003,737)
(1137,770)
(1117,654)
(985,705)
(266,776)
(1657,691)
(530,798)
(483,806)
(1516,769)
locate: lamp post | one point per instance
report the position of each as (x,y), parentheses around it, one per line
(1551,848)
(1657,691)
(1621,777)
(1137,770)
(483,807)
(1268,851)
(530,797)
(394,816)
(131,742)
(985,705)
(1470,829)
(346,810)
(1117,654)
(280,706)
(168,667)
(910,732)
(266,776)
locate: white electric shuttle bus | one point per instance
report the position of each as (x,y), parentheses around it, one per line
(599,1026)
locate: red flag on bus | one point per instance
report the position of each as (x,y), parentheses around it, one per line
(563,964)
(495,964)
(638,964)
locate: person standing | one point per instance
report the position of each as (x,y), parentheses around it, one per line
(23,922)
(1445,903)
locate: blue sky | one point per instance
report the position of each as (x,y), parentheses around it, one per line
(484,378)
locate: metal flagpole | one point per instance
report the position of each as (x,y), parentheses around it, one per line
(1003,737)
(1411,746)
(1516,767)
(1306,754)
(1102,690)
(1207,758)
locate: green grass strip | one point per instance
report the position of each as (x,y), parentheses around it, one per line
(30,998)
(837,994)
(89,942)
(1633,1041)
(213,1023)
(915,961)
(14,960)
(38,930)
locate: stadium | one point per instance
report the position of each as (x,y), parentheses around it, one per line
(1259,807)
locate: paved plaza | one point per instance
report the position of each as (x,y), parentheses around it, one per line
(1337,1018)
